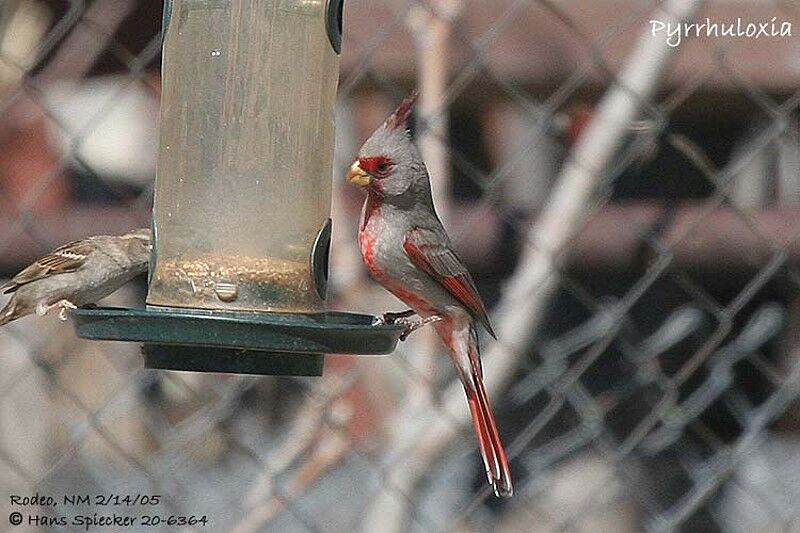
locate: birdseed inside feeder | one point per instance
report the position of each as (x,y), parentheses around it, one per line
(242,202)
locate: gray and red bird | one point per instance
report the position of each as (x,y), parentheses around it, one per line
(406,250)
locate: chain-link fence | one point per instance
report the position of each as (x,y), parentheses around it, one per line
(626,196)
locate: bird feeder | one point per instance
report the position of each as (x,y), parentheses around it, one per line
(241,225)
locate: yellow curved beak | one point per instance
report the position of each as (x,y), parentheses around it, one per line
(357,176)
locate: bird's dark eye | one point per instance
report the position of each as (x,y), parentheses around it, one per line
(382,168)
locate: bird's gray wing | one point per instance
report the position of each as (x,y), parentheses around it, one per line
(433,255)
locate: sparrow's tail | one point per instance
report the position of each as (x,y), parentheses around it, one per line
(492,451)
(9,312)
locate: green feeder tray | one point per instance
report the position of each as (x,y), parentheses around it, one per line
(201,340)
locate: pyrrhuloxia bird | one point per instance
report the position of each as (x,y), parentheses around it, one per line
(407,250)
(77,273)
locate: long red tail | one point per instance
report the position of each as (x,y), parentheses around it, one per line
(492,451)
(494,456)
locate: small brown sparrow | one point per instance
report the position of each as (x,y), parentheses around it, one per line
(77,273)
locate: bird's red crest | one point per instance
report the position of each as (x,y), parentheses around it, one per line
(400,116)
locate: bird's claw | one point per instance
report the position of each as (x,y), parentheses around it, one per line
(391,318)
(62,306)
(413,325)
(404,319)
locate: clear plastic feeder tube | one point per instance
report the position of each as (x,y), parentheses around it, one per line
(246,148)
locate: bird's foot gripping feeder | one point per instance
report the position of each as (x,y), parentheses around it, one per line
(241,232)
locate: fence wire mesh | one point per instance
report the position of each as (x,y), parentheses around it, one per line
(629,209)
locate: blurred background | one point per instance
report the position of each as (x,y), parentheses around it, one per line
(630,211)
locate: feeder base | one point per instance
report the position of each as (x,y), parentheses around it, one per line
(202,359)
(202,340)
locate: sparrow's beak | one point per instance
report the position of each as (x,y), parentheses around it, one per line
(357,176)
